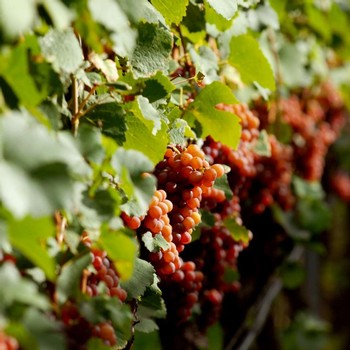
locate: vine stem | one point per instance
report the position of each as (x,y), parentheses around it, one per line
(77,109)
(261,308)
(271,36)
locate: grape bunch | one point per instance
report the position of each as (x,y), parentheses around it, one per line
(184,175)
(101,278)
(103,271)
(316,118)
(340,184)
(273,179)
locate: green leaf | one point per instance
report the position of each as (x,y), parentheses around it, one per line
(62,49)
(179,130)
(110,117)
(107,67)
(15,69)
(288,221)
(131,166)
(101,309)
(293,275)
(16,17)
(141,278)
(68,282)
(146,325)
(238,232)
(308,189)
(313,215)
(171,13)
(222,184)
(206,62)
(147,341)
(292,61)
(89,142)
(154,244)
(148,114)
(214,17)
(157,87)
(227,9)
(139,137)
(318,21)
(193,25)
(215,337)
(19,289)
(121,249)
(152,51)
(247,57)
(60,15)
(262,146)
(221,125)
(110,14)
(45,329)
(36,168)
(29,236)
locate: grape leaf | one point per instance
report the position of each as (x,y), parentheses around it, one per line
(141,278)
(115,20)
(262,146)
(225,8)
(138,187)
(69,280)
(157,87)
(222,184)
(110,117)
(152,51)
(171,13)
(36,169)
(16,17)
(308,189)
(140,137)
(214,17)
(45,329)
(223,126)
(238,232)
(62,49)
(19,289)
(121,249)
(179,130)
(60,15)
(193,24)
(206,63)
(14,67)
(154,244)
(293,274)
(100,308)
(107,67)
(29,236)
(247,57)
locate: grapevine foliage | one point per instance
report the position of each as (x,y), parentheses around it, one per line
(139,142)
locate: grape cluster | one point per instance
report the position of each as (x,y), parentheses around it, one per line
(185,176)
(184,179)
(316,118)
(217,258)
(106,332)
(101,278)
(272,182)
(340,184)
(166,261)
(7,342)
(104,271)
(181,291)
